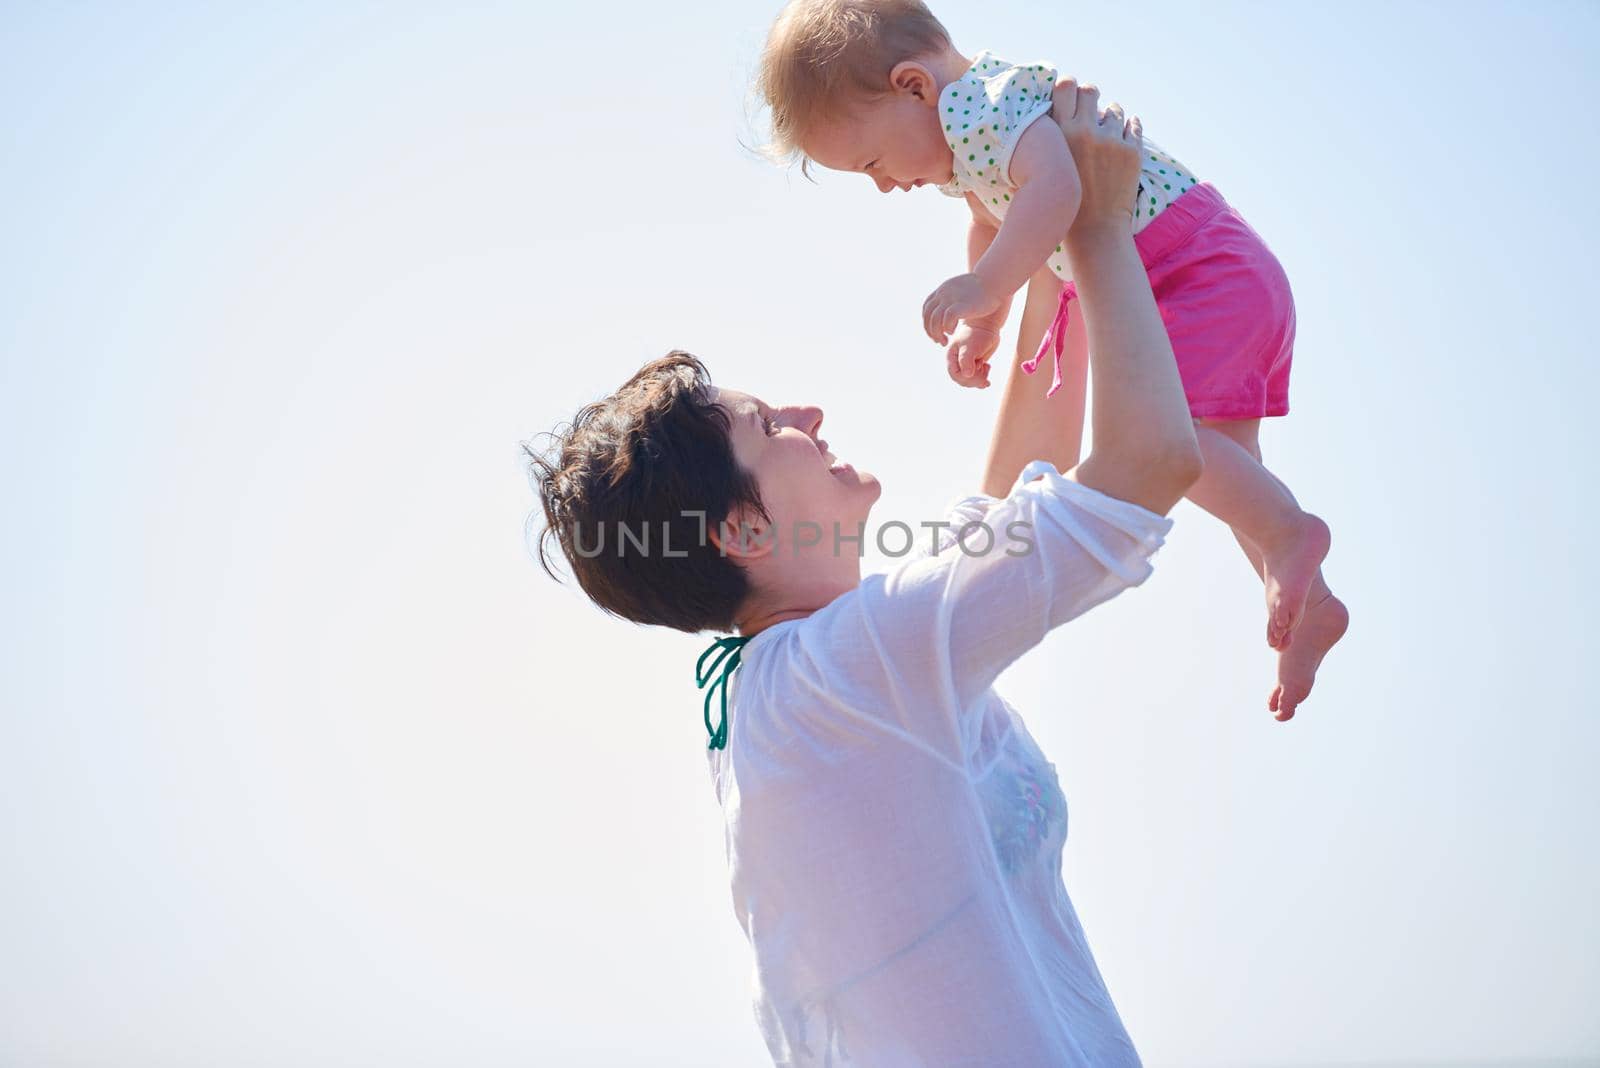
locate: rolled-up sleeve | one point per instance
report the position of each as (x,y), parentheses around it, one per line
(913,648)
(1060,548)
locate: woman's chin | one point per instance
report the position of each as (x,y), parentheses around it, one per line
(847,472)
(869,481)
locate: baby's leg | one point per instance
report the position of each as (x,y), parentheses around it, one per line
(1326,617)
(1242,493)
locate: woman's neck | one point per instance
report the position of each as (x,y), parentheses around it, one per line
(761,613)
(753,625)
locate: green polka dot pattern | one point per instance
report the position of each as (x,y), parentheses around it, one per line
(1015,95)
(1162,180)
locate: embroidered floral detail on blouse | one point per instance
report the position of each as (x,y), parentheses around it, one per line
(1024,804)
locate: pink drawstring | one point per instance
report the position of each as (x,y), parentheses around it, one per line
(1055,337)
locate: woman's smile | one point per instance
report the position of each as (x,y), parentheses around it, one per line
(836,466)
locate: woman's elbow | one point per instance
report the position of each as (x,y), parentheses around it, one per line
(1166,471)
(1180,465)
(1155,476)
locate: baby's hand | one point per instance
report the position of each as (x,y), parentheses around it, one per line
(971,348)
(963,297)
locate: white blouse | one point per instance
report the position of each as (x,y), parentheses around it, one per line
(894,835)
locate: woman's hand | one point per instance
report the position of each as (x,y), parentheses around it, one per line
(1106,148)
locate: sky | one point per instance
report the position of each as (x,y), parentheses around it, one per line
(305,761)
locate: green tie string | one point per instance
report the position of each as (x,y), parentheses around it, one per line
(715,678)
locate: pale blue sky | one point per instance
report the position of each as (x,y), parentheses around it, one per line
(305,761)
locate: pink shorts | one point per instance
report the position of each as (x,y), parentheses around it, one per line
(1226,304)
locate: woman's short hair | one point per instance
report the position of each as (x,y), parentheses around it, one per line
(630,490)
(821,53)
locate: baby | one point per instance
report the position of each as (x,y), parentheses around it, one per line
(876,87)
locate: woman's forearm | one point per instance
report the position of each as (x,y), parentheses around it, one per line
(1031,426)
(1144,448)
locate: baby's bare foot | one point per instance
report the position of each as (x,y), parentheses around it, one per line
(1288,567)
(1324,624)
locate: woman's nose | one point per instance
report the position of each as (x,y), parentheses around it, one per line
(805,417)
(883,183)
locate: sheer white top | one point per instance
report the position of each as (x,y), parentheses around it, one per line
(894,835)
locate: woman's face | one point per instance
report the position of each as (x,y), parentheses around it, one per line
(805,488)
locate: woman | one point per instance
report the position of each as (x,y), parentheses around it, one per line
(894,835)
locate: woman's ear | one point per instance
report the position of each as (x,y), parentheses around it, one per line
(744,535)
(914,79)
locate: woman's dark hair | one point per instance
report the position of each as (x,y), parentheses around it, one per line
(630,491)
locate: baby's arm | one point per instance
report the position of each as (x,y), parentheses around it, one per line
(1041,213)
(976,339)
(1037,221)
(980,238)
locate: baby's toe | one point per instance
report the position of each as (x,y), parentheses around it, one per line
(1289,697)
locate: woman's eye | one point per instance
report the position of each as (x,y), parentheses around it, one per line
(772,428)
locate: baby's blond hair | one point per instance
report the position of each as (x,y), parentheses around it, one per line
(819,50)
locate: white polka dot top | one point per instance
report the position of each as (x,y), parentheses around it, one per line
(984,113)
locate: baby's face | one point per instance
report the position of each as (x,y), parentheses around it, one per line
(895,140)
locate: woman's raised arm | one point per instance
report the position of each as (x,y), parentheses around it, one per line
(1144,445)
(1144,449)
(1031,426)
